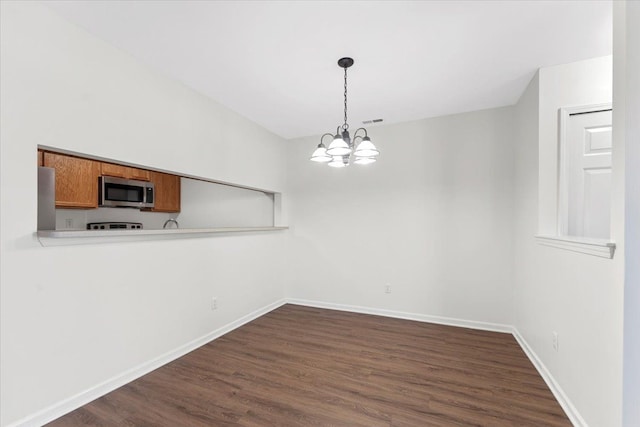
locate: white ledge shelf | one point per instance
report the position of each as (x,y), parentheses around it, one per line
(597,247)
(84,237)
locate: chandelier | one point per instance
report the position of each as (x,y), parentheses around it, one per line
(343,150)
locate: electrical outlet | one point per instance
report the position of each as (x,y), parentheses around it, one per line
(387,288)
(555,340)
(68,223)
(214,303)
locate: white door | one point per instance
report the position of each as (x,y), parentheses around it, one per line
(588,172)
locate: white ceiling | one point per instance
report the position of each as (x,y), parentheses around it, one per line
(275,61)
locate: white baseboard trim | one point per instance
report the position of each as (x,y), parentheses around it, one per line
(450,321)
(571,411)
(61,408)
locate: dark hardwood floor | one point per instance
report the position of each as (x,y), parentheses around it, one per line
(301,366)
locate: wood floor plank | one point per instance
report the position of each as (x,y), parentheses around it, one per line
(302,366)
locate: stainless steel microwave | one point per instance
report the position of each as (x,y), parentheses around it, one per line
(128,193)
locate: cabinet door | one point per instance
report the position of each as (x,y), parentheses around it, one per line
(125,172)
(167,192)
(139,174)
(76,180)
(40,158)
(109,169)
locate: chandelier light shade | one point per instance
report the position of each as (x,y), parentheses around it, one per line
(364,160)
(320,154)
(342,150)
(338,147)
(366,148)
(338,162)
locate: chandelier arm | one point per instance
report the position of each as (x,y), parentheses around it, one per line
(357,130)
(322,137)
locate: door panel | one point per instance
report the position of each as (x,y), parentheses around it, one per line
(598,140)
(588,170)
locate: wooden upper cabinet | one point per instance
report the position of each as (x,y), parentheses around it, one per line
(76,180)
(167,192)
(126,172)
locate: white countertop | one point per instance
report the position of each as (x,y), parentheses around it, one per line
(79,237)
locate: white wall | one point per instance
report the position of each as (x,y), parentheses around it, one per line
(209,205)
(626,95)
(69,321)
(577,295)
(433,217)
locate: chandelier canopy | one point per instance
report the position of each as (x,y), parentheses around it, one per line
(343,150)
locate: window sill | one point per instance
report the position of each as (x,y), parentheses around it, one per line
(597,247)
(82,237)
